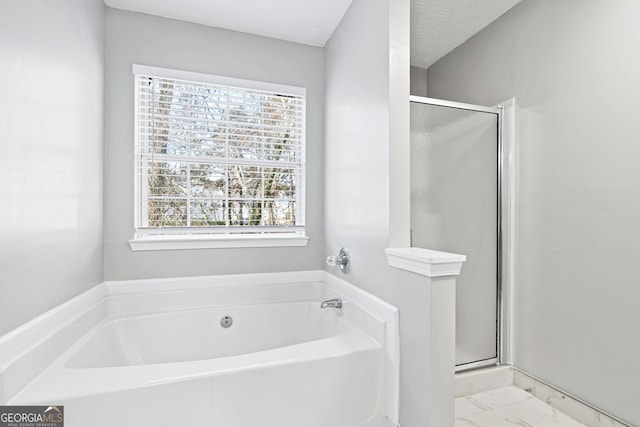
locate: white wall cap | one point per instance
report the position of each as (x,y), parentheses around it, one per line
(426,262)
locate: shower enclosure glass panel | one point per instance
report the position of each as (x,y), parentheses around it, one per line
(454,208)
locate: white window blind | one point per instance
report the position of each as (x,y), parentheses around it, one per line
(217,156)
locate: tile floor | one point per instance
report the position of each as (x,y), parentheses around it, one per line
(508,406)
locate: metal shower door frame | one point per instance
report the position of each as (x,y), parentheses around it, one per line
(501,333)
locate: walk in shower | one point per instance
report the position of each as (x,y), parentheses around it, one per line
(459,204)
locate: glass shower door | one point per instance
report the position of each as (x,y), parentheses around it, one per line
(454,208)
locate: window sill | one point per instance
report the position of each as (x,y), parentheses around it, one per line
(163,243)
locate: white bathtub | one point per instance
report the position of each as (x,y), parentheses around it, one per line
(157,355)
(197,334)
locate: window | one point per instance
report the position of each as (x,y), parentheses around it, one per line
(219,161)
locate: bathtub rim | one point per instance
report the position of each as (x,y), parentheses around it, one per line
(86,382)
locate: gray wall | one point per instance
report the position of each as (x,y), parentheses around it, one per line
(367,58)
(134,38)
(573,68)
(357,144)
(418,81)
(51,110)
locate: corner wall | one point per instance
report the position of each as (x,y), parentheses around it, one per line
(135,38)
(357,144)
(367,177)
(51,140)
(573,68)
(364,135)
(418,81)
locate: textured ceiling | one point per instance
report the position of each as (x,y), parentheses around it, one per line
(304,21)
(439,26)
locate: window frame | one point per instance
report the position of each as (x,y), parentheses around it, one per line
(219,237)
